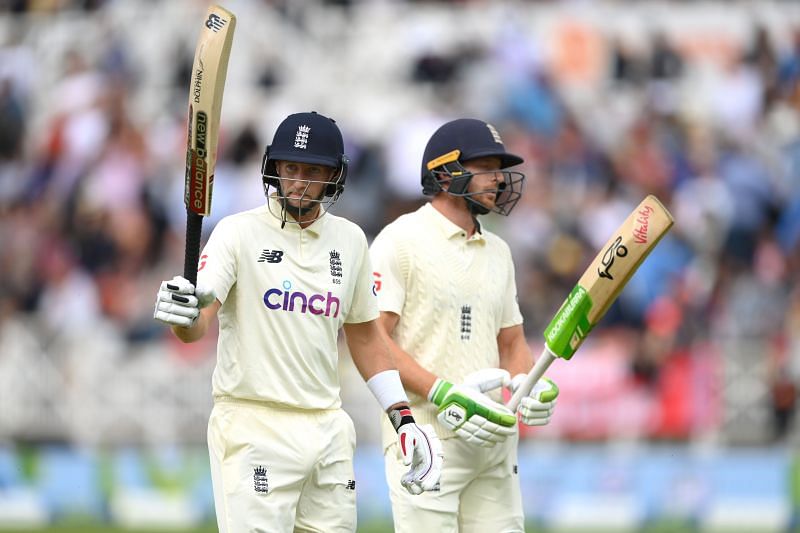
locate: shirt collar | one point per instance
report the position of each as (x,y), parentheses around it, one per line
(449,229)
(272,211)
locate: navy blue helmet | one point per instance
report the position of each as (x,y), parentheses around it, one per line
(462,140)
(309,138)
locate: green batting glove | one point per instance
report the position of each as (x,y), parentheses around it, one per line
(469,413)
(537,407)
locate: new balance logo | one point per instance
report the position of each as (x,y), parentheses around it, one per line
(351,485)
(260,482)
(215,22)
(271,256)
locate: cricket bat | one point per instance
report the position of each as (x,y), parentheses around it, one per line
(205,104)
(598,287)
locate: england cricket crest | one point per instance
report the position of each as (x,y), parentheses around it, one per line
(336,267)
(260,481)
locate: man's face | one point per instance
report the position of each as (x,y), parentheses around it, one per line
(303,184)
(485,182)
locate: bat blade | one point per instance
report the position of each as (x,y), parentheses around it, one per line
(207,85)
(599,286)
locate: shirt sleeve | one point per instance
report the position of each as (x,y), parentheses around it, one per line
(511,313)
(364,307)
(218,261)
(390,282)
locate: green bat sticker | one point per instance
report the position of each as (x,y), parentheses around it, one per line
(570,325)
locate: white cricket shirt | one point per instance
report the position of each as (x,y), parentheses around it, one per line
(453,294)
(285,294)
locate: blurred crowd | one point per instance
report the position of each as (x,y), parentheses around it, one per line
(91,213)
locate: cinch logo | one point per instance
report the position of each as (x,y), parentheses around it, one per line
(288,300)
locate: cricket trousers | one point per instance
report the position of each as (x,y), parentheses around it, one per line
(480,491)
(280,470)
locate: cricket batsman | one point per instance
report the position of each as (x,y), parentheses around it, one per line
(282,279)
(448,306)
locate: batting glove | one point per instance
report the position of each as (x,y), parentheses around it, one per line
(178,303)
(469,413)
(420,449)
(536,408)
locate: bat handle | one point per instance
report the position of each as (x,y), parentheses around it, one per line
(194,227)
(538,370)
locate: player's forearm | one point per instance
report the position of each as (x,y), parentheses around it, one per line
(191,334)
(196,331)
(370,359)
(414,377)
(368,349)
(515,353)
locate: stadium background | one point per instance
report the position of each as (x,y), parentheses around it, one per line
(677,413)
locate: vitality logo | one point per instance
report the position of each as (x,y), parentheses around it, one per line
(286,299)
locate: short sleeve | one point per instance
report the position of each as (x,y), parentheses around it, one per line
(390,282)
(364,307)
(218,261)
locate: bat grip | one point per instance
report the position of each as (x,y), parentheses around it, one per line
(194,227)
(538,370)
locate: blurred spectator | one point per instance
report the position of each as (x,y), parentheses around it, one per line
(12,123)
(604,111)
(665,61)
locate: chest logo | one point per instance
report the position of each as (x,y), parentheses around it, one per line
(295,301)
(271,256)
(260,481)
(336,267)
(466,322)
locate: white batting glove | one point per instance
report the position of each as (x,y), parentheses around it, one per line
(469,413)
(178,303)
(536,408)
(420,449)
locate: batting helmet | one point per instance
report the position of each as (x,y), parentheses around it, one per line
(307,138)
(459,141)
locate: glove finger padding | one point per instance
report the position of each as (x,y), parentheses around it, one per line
(478,430)
(420,448)
(178,302)
(178,285)
(535,413)
(537,408)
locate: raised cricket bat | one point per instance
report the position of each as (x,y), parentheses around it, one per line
(599,286)
(205,103)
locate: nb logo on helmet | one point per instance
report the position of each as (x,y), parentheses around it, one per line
(301,137)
